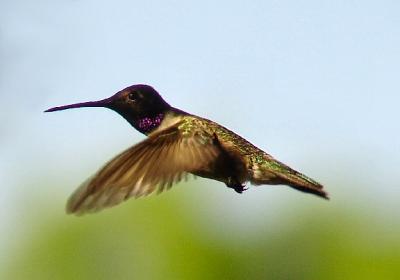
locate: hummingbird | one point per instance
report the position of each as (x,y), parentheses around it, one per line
(177,144)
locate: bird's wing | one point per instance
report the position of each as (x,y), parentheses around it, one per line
(156,163)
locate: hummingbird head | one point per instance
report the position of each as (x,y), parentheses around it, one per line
(141,105)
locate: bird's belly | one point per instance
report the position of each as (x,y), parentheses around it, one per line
(225,173)
(211,175)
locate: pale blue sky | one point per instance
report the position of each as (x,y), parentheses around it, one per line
(314,83)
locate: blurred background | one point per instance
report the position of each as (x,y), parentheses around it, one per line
(315,84)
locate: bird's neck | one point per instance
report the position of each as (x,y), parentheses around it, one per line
(168,119)
(148,124)
(155,121)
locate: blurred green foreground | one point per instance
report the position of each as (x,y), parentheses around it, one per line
(170,237)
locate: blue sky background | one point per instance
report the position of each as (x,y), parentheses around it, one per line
(314,83)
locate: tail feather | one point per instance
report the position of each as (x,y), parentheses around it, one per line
(274,172)
(302,183)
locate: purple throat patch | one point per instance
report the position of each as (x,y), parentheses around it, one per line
(147,124)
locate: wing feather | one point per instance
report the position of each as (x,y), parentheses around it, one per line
(153,164)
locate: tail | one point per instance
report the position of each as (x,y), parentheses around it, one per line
(273,172)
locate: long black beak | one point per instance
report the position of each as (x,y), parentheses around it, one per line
(101,103)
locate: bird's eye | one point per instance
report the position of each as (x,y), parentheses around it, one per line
(132,96)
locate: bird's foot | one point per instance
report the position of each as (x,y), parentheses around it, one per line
(238,188)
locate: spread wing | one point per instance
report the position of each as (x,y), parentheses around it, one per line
(154,164)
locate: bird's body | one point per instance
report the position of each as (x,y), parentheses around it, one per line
(178,144)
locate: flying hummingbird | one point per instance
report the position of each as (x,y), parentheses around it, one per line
(177,144)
